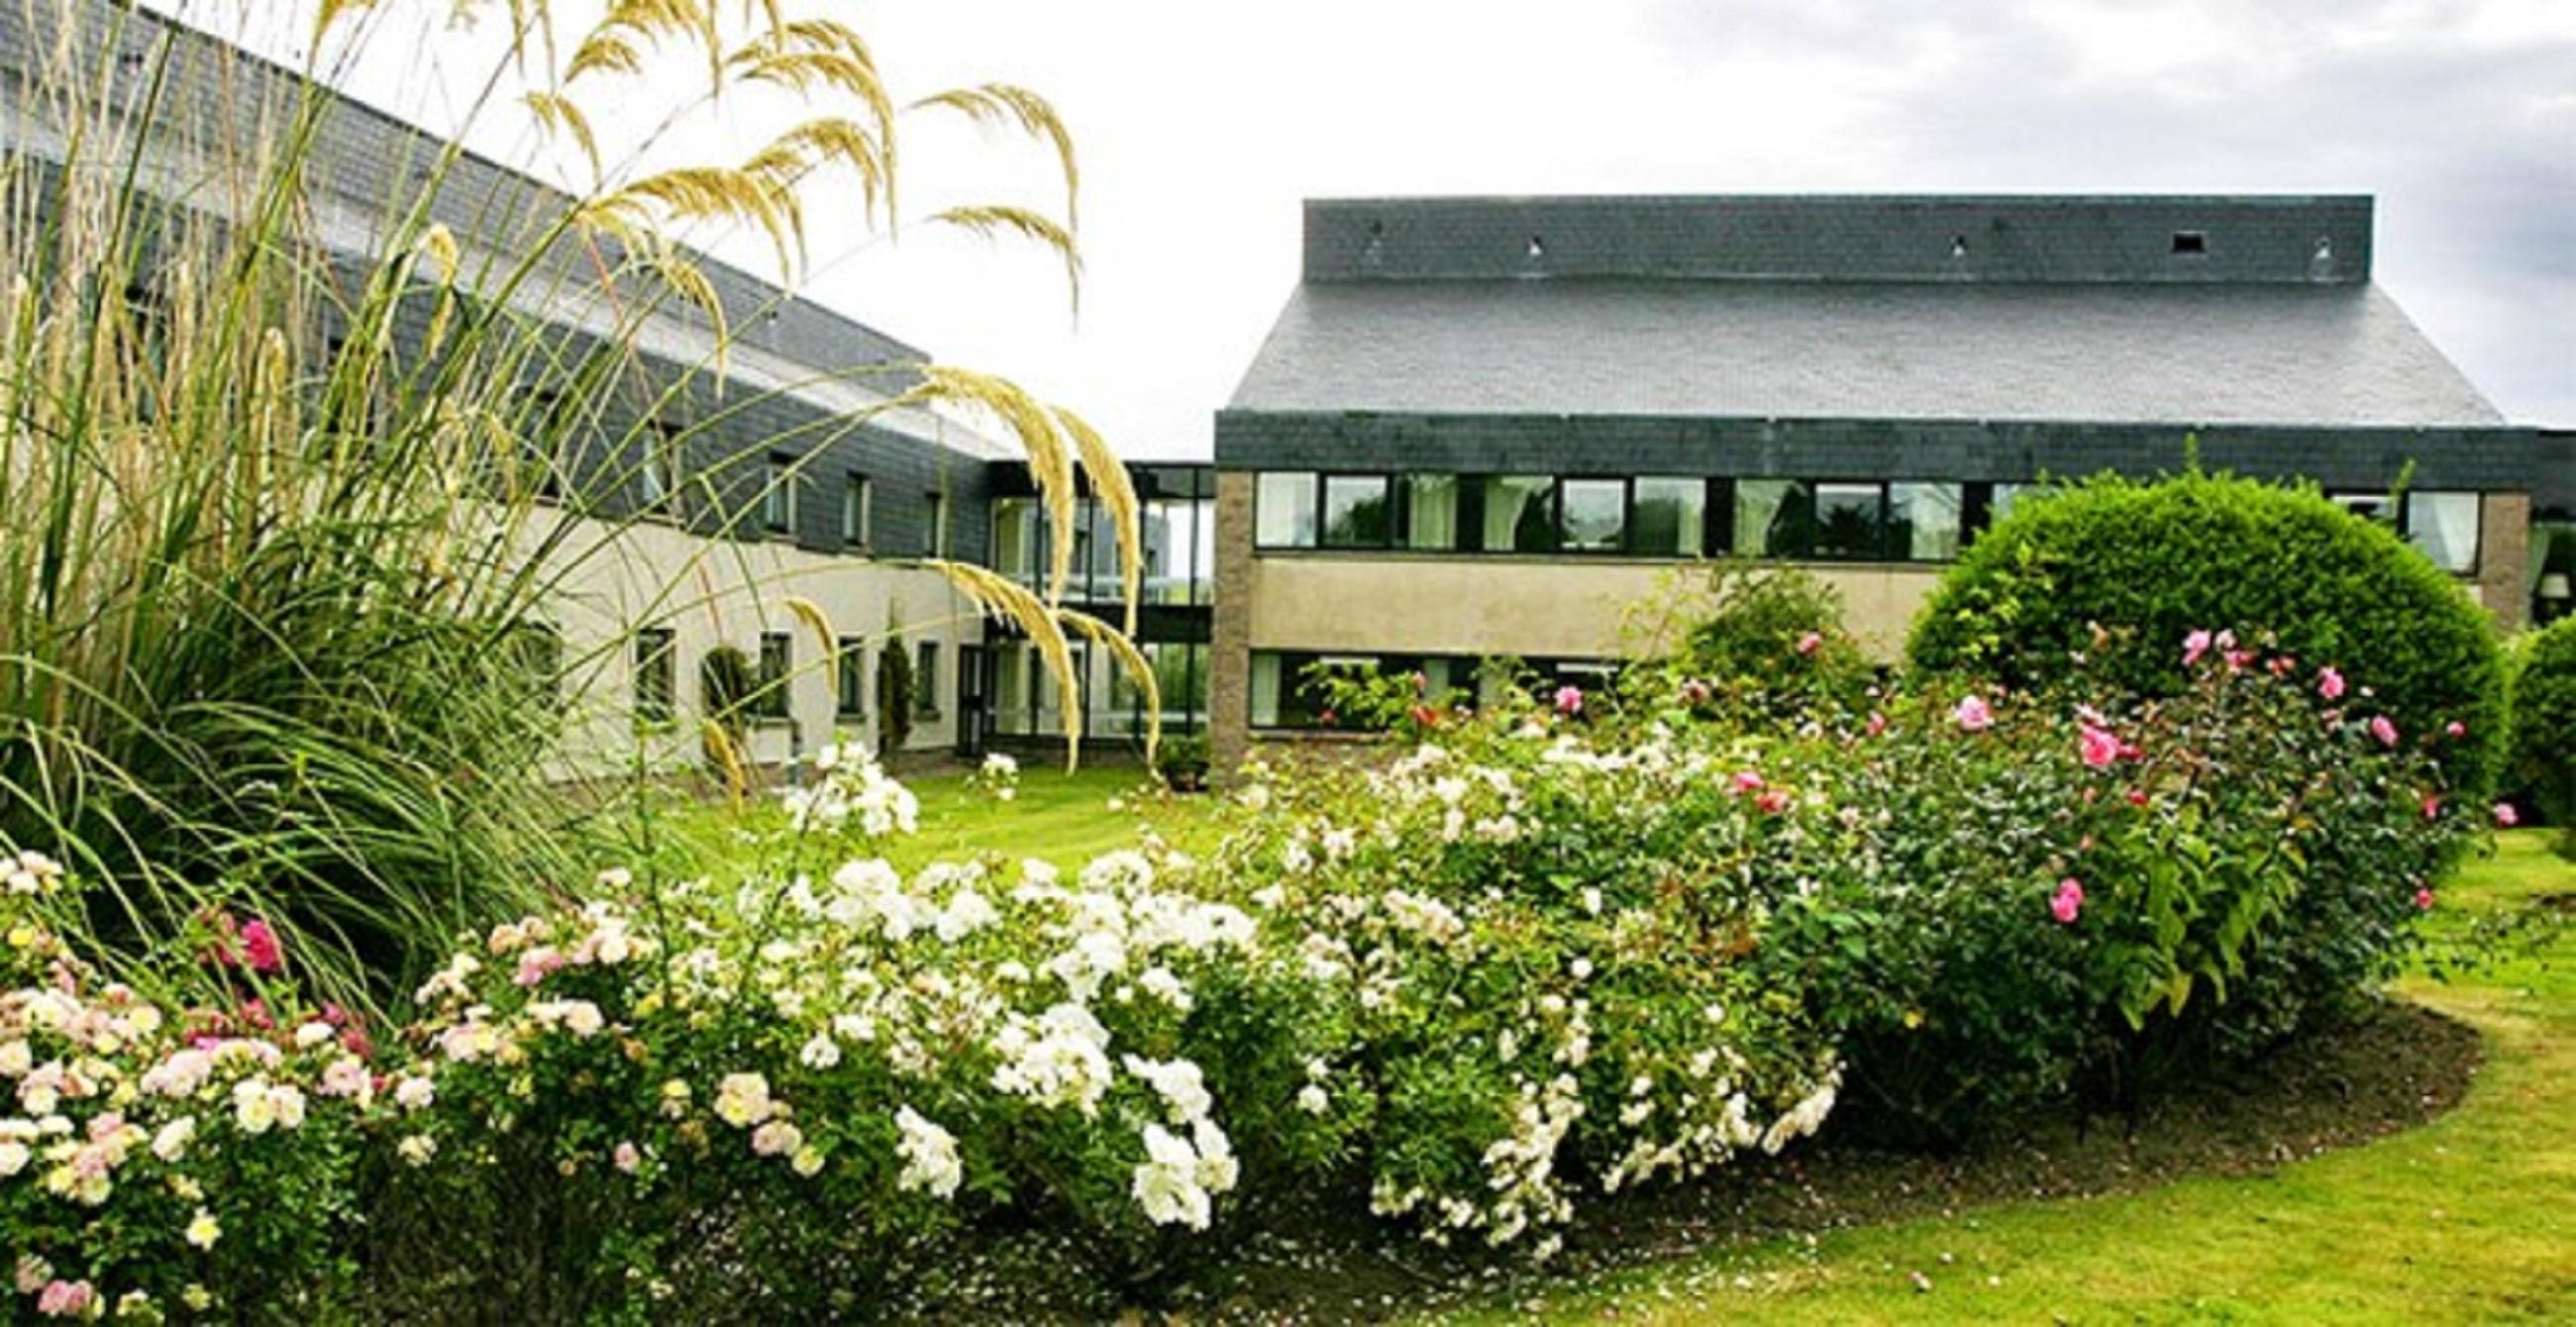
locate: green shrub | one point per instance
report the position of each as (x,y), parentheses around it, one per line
(2544,722)
(894,695)
(2112,574)
(1759,641)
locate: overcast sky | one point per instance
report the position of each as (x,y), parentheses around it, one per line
(1201,124)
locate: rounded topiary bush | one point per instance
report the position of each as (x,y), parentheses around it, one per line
(2544,722)
(2109,575)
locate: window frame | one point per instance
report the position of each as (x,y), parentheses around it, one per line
(773,677)
(778,496)
(925,679)
(858,510)
(654,666)
(850,679)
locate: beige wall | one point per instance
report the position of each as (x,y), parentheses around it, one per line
(711,591)
(1537,608)
(2504,556)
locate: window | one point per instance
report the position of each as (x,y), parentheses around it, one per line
(1356,511)
(656,673)
(1671,518)
(2445,526)
(777,659)
(1015,538)
(938,547)
(1284,510)
(925,680)
(1923,521)
(2378,507)
(1851,522)
(1773,518)
(2190,242)
(1594,515)
(657,472)
(850,679)
(1431,512)
(539,651)
(1519,514)
(854,511)
(778,497)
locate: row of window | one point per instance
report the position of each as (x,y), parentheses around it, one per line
(656,672)
(1287,691)
(858,508)
(1689,517)
(1178,537)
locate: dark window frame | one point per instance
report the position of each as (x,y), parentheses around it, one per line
(656,666)
(850,678)
(772,674)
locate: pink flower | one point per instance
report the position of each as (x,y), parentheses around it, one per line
(2432,807)
(62,1299)
(2329,684)
(1746,781)
(2237,659)
(1773,802)
(1974,715)
(2384,730)
(2137,797)
(2194,645)
(2099,747)
(1877,723)
(627,1158)
(1811,642)
(2067,902)
(1695,692)
(2456,728)
(2505,816)
(259,947)
(1569,700)
(537,964)
(2424,900)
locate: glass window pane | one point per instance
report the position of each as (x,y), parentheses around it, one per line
(1284,510)
(1851,522)
(1431,511)
(1925,520)
(1015,537)
(1596,515)
(1518,518)
(2368,506)
(2445,526)
(1355,511)
(1266,668)
(1672,516)
(1774,518)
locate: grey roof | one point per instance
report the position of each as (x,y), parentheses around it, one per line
(2249,353)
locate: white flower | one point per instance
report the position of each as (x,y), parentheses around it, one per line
(171,1142)
(254,1111)
(310,1035)
(967,911)
(821,1052)
(1167,1183)
(1160,983)
(1180,1084)
(1218,1170)
(929,1156)
(13,1157)
(414,1092)
(776,1137)
(742,1100)
(203,1230)
(1313,1100)
(417,1149)
(15,1058)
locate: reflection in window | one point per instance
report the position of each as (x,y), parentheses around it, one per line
(1773,518)
(850,678)
(1595,515)
(1672,515)
(1517,515)
(1015,538)
(1851,522)
(1284,510)
(2445,526)
(1356,513)
(1924,521)
(777,660)
(2378,507)
(1431,512)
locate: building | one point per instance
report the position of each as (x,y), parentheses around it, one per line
(1482,426)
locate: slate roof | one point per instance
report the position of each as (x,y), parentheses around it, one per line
(2098,353)
(2115,310)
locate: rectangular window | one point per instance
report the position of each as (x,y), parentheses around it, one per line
(1774,518)
(778,499)
(850,679)
(1431,512)
(777,660)
(1851,522)
(2445,526)
(925,680)
(1356,511)
(938,547)
(855,511)
(1284,510)
(1015,538)
(656,673)
(1924,521)
(1594,515)
(1671,520)
(2000,505)
(1520,514)
(2378,507)
(657,472)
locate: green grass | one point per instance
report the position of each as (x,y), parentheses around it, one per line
(2472,1217)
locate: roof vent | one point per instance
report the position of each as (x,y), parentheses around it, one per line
(2191,242)
(1958,246)
(1537,250)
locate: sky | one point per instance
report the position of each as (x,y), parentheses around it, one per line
(1200,126)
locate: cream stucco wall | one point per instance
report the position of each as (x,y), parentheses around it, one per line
(1536,608)
(606,582)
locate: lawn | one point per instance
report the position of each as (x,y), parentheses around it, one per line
(2470,1217)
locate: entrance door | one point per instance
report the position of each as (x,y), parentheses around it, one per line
(974,699)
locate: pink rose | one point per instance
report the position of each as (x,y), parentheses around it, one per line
(2067,902)
(1811,642)
(2432,807)
(2384,730)
(1773,802)
(2194,645)
(2456,728)
(1695,692)
(2424,900)
(627,1158)
(2505,816)
(1569,700)
(1877,723)
(2137,797)
(2098,746)
(260,948)
(1974,715)
(62,1299)
(1746,781)
(2329,684)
